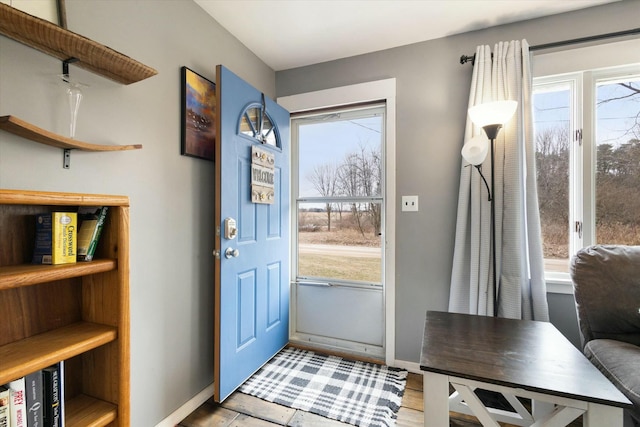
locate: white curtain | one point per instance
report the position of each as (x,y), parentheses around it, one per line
(519,259)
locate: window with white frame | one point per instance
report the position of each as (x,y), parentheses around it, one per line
(339,201)
(587,135)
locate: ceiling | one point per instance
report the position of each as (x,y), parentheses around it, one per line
(292,33)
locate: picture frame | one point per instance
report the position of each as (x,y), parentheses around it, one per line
(198,111)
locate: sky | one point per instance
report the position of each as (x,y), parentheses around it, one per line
(329,141)
(614,119)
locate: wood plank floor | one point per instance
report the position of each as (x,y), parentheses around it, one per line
(244,410)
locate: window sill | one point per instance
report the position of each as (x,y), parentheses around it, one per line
(559,283)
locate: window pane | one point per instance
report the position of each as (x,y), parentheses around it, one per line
(618,162)
(552,124)
(250,125)
(341,156)
(340,241)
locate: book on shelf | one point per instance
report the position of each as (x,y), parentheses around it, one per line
(52,379)
(91,221)
(17,403)
(5,416)
(56,238)
(34,399)
(61,393)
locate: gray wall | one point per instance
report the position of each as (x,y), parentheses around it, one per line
(432,96)
(171,195)
(562,313)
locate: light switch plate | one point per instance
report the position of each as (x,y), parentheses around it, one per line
(409,203)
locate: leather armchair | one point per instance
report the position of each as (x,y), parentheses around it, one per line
(606,282)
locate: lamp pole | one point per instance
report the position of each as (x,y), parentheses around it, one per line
(490,116)
(492,133)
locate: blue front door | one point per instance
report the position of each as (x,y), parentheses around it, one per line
(251,322)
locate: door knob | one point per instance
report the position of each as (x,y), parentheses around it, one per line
(231,253)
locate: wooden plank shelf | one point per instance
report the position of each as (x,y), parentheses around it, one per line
(26,130)
(85,411)
(31,197)
(16,276)
(22,357)
(66,45)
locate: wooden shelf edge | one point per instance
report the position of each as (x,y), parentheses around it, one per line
(20,358)
(53,198)
(85,411)
(16,276)
(26,130)
(63,44)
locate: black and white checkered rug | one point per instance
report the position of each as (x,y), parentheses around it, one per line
(358,393)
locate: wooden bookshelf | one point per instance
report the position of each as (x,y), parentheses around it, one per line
(66,45)
(76,313)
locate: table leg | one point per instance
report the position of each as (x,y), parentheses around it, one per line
(540,408)
(436,400)
(600,415)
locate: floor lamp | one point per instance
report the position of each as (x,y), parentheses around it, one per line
(491,117)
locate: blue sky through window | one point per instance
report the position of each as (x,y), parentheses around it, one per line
(330,141)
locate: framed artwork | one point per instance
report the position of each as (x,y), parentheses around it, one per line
(49,10)
(198,115)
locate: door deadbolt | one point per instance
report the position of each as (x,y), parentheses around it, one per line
(230,229)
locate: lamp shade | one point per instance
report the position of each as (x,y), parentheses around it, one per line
(475,150)
(492,113)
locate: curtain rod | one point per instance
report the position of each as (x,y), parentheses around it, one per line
(471,58)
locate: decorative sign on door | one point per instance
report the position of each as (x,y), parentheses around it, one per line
(262,176)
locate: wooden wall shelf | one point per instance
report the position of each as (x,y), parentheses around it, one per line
(26,130)
(66,45)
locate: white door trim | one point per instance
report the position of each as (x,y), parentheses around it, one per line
(380,90)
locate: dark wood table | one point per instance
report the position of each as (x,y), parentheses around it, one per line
(516,358)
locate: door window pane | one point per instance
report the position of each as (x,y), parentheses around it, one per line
(341,156)
(257,124)
(618,162)
(339,202)
(552,127)
(351,251)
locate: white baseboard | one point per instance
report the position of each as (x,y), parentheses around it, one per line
(182,412)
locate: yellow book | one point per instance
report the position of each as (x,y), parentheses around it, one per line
(64,232)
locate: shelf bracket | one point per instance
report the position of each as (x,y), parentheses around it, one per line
(65,66)
(66,152)
(66,158)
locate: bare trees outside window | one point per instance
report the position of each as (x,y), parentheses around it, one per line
(340,196)
(588,163)
(618,162)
